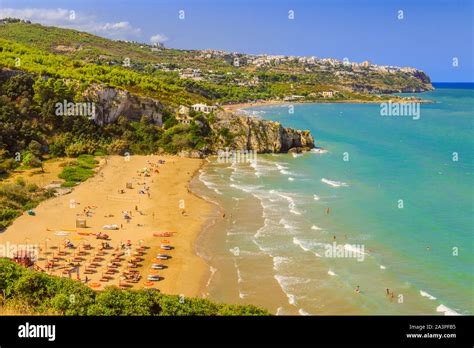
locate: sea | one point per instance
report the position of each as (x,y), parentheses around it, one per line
(379,221)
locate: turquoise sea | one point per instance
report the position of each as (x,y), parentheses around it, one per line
(400,193)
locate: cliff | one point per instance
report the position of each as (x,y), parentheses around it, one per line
(246,133)
(110,103)
(263,136)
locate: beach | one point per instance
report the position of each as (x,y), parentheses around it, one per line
(157,200)
(287,214)
(261,103)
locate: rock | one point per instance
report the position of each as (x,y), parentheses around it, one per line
(110,103)
(262,136)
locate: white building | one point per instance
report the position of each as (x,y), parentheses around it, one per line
(203,108)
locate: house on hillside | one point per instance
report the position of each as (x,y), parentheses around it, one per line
(184,119)
(328,94)
(203,108)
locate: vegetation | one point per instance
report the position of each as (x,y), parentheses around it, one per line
(63,53)
(42,66)
(15,198)
(38,293)
(79,170)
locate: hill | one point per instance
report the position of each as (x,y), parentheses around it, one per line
(223,77)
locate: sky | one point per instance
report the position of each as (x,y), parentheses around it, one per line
(432,35)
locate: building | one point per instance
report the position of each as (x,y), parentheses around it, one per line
(184,118)
(183,110)
(203,108)
(293,97)
(327,94)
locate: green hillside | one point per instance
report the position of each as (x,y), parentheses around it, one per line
(217,78)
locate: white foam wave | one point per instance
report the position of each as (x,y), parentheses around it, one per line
(425,294)
(334,183)
(318,150)
(213,271)
(301,311)
(287,282)
(309,245)
(446,310)
(280,260)
(331,273)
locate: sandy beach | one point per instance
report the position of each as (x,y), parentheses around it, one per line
(238,106)
(164,204)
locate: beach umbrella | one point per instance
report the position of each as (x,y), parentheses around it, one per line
(46,240)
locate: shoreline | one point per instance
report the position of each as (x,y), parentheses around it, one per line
(238,106)
(54,223)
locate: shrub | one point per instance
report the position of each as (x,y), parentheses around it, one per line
(42,293)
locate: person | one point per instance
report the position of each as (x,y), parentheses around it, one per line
(328,210)
(387,290)
(334,237)
(357,289)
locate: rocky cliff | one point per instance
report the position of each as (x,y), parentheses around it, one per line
(263,136)
(247,133)
(110,103)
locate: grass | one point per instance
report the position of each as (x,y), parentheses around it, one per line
(79,170)
(15,198)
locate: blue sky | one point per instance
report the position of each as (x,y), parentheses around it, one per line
(430,35)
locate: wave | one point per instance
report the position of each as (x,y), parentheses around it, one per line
(287,282)
(283,169)
(243,295)
(331,273)
(334,183)
(425,294)
(318,150)
(245,188)
(239,275)
(309,245)
(291,202)
(291,179)
(446,310)
(287,225)
(279,311)
(316,228)
(209,184)
(316,197)
(280,260)
(213,271)
(301,311)
(383,267)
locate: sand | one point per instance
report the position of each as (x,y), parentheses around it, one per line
(186,273)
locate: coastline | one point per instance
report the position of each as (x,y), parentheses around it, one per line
(54,221)
(238,106)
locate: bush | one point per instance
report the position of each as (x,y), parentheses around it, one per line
(79,170)
(41,293)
